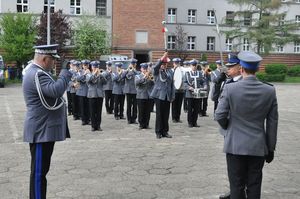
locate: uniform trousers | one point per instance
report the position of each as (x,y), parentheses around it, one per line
(216,102)
(176,106)
(75,106)
(245,172)
(131,107)
(69,99)
(96,111)
(144,107)
(84,109)
(162,117)
(185,105)
(119,105)
(203,106)
(40,163)
(193,105)
(109,101)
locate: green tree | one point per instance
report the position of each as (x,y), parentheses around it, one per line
(91,38)
(17,37)
(262,23)
(60,29)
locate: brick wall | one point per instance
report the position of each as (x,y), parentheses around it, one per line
(132,15)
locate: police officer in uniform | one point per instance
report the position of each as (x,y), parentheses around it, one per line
(82,92)
(244,109)
(218,77)
(95,81)
(107,87)
(118,86)
(194,80)
(45,123)
(130,91)
(144,82)
(204,101)
(179,94)
(163,93)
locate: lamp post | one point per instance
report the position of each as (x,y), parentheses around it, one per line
(48,23)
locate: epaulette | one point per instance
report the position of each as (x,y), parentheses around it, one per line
(267,83)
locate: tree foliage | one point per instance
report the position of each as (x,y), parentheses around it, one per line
(17,37)
(267,27)
(60,31)
(181,42)
(90,38)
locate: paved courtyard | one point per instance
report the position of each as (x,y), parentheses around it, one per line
(123,162)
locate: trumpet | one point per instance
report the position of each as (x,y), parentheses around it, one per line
(207,70)
(120,71)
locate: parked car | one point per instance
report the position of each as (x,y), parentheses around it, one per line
(114,59)
(2,67)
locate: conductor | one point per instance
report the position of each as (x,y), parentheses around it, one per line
(46,116)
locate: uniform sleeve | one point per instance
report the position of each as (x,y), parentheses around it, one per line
(272,124)
(156,68)
(222,111)
(54,89)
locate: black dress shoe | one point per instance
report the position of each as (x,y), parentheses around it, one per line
(117,118)
(99,129)
(167,136)
(122,118)
(134,122)
(196,125)
(158,136)
(84,123)
(225,196)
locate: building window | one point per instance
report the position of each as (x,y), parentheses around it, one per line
(101,7)
(171,15)
(75,7)
(141,37)
(211,17)
(281,20)
(297,47)
(171,42)
(246,46)
(229,44)
(210,43)
(279,48)
(191,16)
(191,43)
(229,18)
(52,6)
(297,18)
(247,19)
(22,5)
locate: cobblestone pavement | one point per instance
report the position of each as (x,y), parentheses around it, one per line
(124,162)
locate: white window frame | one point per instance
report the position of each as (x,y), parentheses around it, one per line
(73,8)
(210,17)
(246,45)
(23,5)
(191,43)
(229,44)
(279,48)
(229,17)
(210,43)
(172,15)
(171,43)
(101,8)
(297,18)
(52,6)
(192,16)
(297,47)
(247,19)
(281,20)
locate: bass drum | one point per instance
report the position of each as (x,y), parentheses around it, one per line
(178,74)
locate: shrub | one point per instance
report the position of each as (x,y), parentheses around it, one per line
(276,69)
(294,71)
(270,77)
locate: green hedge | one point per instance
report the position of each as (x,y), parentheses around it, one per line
(294,71)
(276,69)
(270,77)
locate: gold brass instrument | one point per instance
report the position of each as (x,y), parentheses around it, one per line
(207,70)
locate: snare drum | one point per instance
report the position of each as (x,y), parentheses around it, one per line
(200,93)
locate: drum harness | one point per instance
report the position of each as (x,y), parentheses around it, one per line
(41,95)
